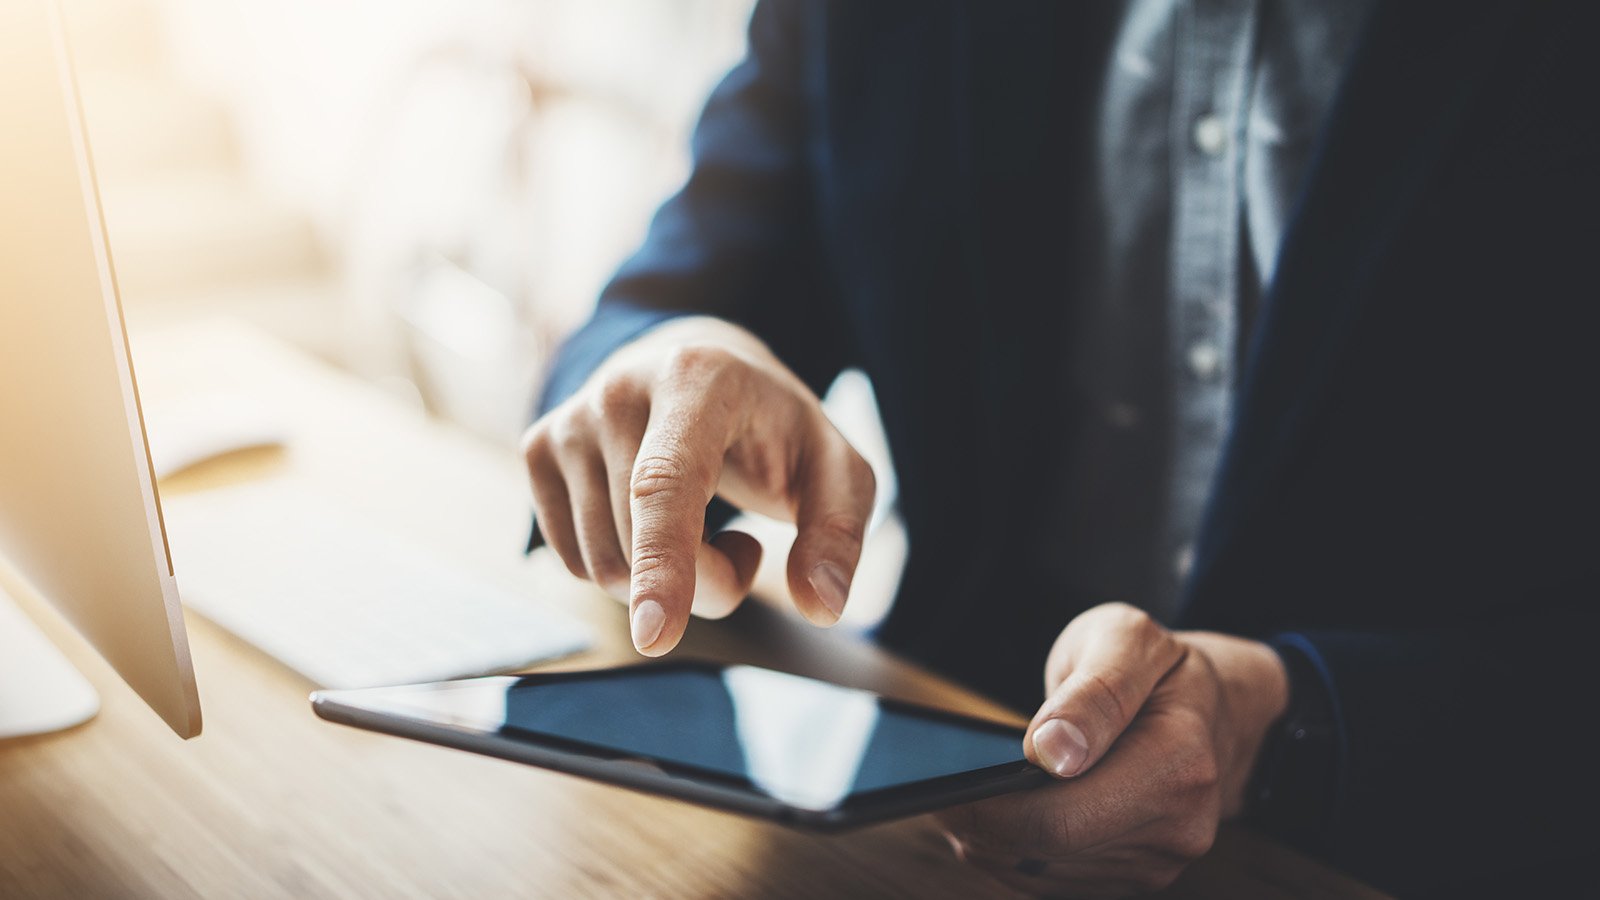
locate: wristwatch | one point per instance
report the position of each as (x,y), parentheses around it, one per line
(1294,788)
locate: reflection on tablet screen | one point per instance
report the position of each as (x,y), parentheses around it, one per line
(806,743)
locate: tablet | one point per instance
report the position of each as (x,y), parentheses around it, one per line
(742,738)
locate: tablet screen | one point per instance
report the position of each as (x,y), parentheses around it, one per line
(805,743)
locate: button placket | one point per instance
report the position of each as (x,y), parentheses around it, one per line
(1209,99)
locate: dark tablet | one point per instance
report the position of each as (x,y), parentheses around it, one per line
(742,738)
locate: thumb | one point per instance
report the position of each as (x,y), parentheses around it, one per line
(1110,659)
(833,502)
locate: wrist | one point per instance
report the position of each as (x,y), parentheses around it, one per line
(1254,686)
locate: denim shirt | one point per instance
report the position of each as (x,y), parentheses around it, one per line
(1208,114)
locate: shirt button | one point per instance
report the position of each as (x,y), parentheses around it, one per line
(1211,135)
(1204,359)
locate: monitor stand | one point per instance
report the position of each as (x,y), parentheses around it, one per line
(40,691)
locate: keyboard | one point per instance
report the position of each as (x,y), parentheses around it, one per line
(342,601)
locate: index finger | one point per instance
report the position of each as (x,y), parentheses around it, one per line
(674,477)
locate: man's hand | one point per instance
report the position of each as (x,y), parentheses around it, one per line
(623,470)
(1153,734)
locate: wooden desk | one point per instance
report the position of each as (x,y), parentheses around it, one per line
(272,802)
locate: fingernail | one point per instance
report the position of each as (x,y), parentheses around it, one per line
(1061,747)
(648,620)
(831,586)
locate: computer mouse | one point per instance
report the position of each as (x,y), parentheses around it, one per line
(191,431)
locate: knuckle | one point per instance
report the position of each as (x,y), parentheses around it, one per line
(1139,628)
(568,437)
(657,476)
(615,398)
(651,563)
(766,466)
(1100,691)
(1149,632)
(1122,610)
(1135,619)
(844,527)
(536,440)
(1109,618)
(696,362)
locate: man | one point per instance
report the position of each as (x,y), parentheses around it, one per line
(1248,341)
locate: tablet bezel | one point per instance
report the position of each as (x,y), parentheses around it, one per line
(673,779)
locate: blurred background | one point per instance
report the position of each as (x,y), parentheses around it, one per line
(429,195)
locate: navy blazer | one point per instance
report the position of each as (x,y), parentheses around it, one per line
(1408,492)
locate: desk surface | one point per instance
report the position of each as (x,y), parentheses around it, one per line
(272,802)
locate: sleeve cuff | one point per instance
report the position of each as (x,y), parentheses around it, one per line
(1300,776)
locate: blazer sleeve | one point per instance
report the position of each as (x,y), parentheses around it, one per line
(1460,749)
(740,240)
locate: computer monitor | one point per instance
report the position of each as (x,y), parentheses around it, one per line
(80,520)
